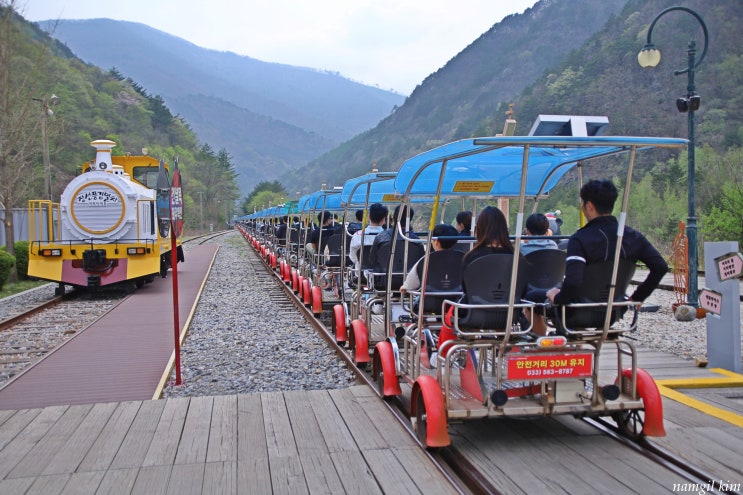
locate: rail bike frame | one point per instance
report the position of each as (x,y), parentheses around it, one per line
(495,372)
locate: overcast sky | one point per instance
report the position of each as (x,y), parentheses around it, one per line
(393,44)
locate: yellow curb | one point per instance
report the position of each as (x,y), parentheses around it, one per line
(667,389)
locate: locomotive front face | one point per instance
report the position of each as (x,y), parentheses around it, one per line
(102,206)
(97,208)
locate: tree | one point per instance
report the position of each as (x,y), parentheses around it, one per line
(265,193)
(214,177)
(21,84)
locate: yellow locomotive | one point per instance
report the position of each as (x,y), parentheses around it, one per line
(110,226)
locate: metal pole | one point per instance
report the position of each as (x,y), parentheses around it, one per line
(691,223)
(45,150)
(649,57)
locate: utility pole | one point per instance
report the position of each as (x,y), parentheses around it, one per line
(46,112)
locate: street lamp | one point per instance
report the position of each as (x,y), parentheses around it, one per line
(46,112)
(649,56)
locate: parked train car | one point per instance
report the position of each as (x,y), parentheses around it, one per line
(111,226)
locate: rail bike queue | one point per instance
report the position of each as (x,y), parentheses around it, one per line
(463,324)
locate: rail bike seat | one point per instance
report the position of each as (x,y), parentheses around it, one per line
(484,308)
(405,256)
(545,268)
(585,318)
(443,281)
(333,250)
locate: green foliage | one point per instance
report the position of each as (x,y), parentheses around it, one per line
(92,105)
(265,193)
(7,262)
(21,259)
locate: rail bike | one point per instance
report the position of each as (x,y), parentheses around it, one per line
(494,367)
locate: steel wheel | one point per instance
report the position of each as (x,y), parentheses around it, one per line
(631,423)
(421,421)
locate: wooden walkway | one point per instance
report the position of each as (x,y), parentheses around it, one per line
(337,441)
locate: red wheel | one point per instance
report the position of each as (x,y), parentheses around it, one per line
(317,301)
(295,280)
(428,413)
(384,370)
(360,342)
(306,293)
(339,324)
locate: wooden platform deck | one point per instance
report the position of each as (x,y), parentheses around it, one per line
(338,441)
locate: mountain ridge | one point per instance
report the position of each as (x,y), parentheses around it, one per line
(324,108)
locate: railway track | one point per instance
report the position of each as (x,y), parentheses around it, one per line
(458,466)
(29,335)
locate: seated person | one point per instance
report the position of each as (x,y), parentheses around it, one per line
(405,255)
(325,218)
(377,217)
(354,227)
(596,243)
(491,231)
(281,231)
(412,280)
(538,225)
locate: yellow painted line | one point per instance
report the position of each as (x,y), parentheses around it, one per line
(731,379)
(171,361)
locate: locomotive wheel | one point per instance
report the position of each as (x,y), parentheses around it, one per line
(631,423)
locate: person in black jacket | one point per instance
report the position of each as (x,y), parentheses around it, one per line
(596,242)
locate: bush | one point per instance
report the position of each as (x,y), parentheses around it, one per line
(6,264)
(21,259)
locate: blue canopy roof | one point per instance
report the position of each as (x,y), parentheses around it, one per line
(493,165)
(327,199)
(381,189)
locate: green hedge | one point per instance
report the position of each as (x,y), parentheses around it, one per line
(21,259)
(6,264)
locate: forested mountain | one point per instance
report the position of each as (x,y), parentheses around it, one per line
(579,57)
(470,93)
(48,92)
(271,117)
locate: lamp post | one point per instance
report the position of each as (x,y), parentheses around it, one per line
(46,112)
(649,56)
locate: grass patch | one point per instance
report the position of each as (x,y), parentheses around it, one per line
(14,288)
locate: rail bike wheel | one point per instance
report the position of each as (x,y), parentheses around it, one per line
(631,423)
(339,324)
(306,292)
(428,413)
(384,370)
(316,294)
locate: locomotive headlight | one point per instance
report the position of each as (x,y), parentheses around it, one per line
(51,252)
(136,250)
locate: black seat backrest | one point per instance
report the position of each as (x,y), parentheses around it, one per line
(444,275)
(545,268)
(488,281)
(415,252)
(366,263)
(333,245)
(595,288)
